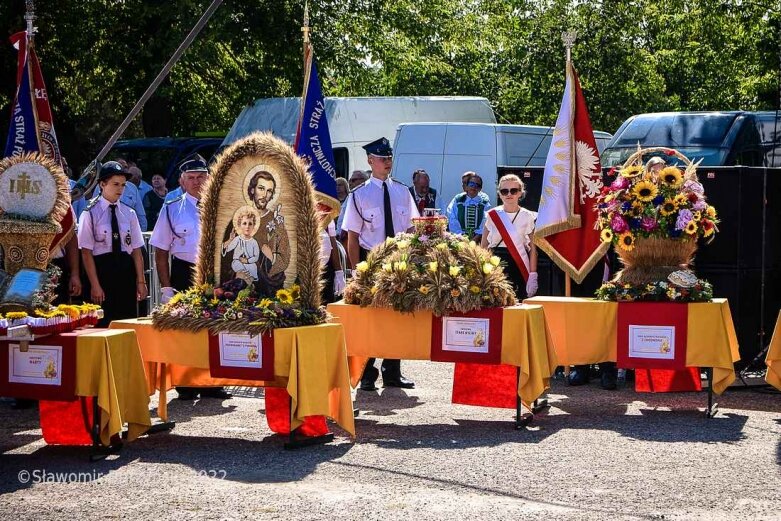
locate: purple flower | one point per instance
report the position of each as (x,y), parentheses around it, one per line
(700,205)
(620,183)
(423,238)
(684,216)
(618,224)
(648,224)
(693,186)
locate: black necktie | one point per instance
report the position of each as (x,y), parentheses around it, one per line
(388,215)
(116,246)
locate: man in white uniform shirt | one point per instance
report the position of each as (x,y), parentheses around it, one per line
(380,208)
(176,233)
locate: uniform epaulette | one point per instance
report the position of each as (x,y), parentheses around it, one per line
(92,202)
(396,181)
(174,200)
(359,186)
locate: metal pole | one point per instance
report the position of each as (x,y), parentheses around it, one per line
(159,79)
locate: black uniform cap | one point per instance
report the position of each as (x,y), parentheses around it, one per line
(380,148)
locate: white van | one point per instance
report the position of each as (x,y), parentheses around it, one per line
(447,150)
(354,122)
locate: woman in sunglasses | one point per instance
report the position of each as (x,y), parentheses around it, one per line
(508,233)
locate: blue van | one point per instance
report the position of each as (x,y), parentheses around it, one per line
(162,155)
(717,138)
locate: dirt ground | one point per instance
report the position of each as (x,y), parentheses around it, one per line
(593,455)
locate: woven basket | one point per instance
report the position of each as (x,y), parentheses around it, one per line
(653,259)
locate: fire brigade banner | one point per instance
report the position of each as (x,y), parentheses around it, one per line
(313,140)
(32,124)
(572,181)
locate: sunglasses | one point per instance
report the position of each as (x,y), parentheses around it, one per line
(472,184)
(509,191)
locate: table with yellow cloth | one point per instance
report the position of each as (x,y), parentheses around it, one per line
(310,362)
(773,359)
(584,332)
(109,366)
(384,333)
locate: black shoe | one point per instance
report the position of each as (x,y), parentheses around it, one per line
(367,385)
(186,394)
(23,403)
(608,378)
(399,381)
(216,392)
(578,375)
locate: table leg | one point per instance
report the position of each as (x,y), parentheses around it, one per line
(521,420)
(713,408)
(98,451)
(162,404)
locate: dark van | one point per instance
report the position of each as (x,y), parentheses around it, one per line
(161,155)
(717,138)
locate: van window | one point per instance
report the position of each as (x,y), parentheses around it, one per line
(769,128)
(342,160)
(676,130)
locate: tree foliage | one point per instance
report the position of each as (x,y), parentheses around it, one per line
(633,56)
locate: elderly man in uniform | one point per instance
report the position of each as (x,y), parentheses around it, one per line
(380,208)
(177,232)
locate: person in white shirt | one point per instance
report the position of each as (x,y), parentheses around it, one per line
(110,241)
(380,208)
(510,223)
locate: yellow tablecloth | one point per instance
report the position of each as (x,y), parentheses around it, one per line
(584,332)
(773,359)
(384,333)
(310,362)
(109,366)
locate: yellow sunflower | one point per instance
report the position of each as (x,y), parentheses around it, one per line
(645,191)
(626,241)
(680,199)
(707,232)
(631,171)
(710,211)
(284,296)
(669,206)
(671,176)
(691,227)
(606,235)
(696,216)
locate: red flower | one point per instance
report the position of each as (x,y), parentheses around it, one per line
(612,171)
(669,152)
(692,197)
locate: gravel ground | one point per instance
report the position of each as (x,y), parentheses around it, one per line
(593,455)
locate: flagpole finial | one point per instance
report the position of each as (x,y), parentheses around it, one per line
(30,17)
(305,29)
(568,38)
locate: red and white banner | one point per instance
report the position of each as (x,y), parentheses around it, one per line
(512,241)
(652,335)
(572,181)
(241,356)
(468,337)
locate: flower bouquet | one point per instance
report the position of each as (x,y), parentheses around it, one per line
(430,269)
(654,215)
(234,306)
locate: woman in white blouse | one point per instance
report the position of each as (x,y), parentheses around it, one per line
(517,224)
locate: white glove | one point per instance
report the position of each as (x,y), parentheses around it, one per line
(339,282)
(531,284)
(166,294)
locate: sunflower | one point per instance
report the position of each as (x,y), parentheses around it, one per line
(681,199)
(669,206)
(631,171)
(671,176)
(284,296)
(606,235)
(645,191)
(626,241)
(691,227)
(710,212)
(708,231)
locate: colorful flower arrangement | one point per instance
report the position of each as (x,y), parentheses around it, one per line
(660,291)
(430,269)
(669,203)
(234,306)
